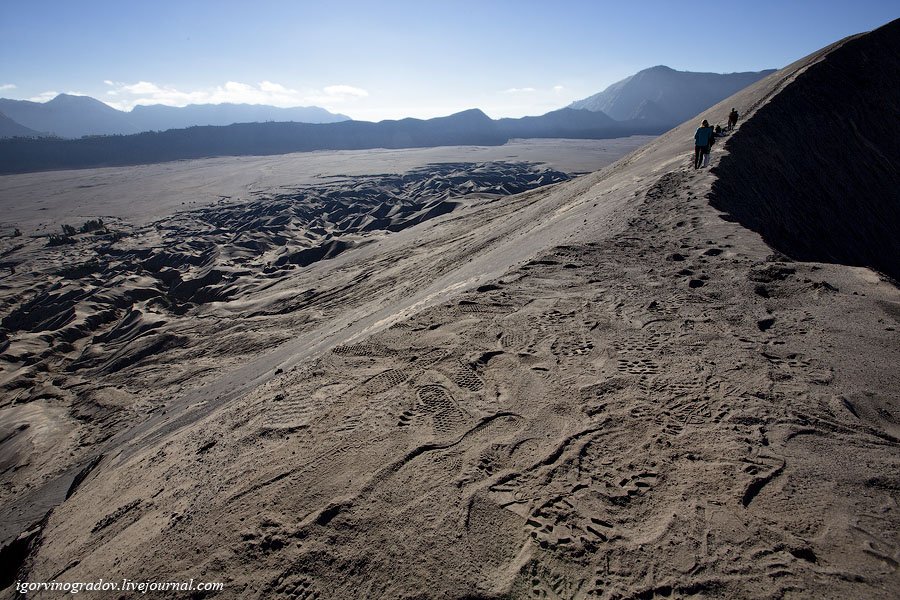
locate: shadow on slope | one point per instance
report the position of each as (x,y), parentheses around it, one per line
(814,171)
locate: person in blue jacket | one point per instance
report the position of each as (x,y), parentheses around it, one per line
(702,140)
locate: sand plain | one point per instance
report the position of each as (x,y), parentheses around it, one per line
(41,202)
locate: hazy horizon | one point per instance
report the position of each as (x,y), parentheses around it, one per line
(396,60)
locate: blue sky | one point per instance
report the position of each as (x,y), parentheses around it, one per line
(391,59)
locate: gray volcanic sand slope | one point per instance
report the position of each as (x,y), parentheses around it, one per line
(44,201)
(103,329)
(596,389)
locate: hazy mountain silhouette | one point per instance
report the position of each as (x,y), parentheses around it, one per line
(76,116)
(158,117)
(563,123)
(666,96)
(471,127)
(68,116)
(9,128)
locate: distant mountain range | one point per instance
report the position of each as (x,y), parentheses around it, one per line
(660,96)
(471,127)
(159,117)
(649,102)
(76,116)
(665,96)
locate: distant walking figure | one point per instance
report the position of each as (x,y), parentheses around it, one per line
(702,140)
(732,119)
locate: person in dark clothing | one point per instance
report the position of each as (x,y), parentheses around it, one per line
(702,139)
(712,140)
(732,119)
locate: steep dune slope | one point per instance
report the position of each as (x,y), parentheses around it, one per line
(599,389)
(815,171)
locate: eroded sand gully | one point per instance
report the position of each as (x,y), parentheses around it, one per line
(599,389)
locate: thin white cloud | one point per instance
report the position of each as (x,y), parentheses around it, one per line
(47,96)
(268,86)
(44,97)
(525,101)
(236,87)
(346,90)
(7,86)
(557,89)
(126,96)
(336,94)
(523,90)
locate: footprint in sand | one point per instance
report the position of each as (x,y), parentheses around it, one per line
(435,401)
(293,587)
(384,381)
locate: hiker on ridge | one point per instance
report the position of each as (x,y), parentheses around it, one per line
(732,119)
(702,140)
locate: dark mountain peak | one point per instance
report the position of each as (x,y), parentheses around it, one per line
(473,117)
(71,100)
(61,98)
(661,74)
(665,95)
(68,115)
(474,114)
